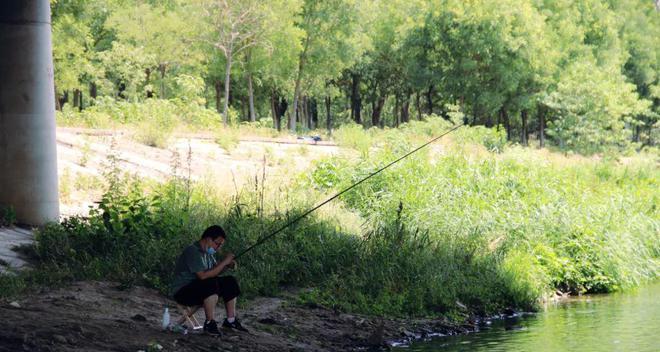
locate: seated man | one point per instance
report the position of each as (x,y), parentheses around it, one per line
(197,283)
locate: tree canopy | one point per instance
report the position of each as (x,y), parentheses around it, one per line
(583,75)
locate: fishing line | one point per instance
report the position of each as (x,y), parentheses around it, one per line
(299,217)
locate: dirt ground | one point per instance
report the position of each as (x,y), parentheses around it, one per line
(100,316)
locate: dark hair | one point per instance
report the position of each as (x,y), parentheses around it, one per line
(214,231)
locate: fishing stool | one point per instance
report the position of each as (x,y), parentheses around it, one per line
(188,316)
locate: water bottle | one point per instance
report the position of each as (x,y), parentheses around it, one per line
(166,318)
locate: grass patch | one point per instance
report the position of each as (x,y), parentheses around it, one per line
(227,139)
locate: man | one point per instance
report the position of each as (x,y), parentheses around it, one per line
(197,282)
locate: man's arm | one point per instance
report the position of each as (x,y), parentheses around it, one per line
(217,269)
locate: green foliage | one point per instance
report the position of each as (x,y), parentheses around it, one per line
(164,115)
(227,138)
(7,216)
(585,70)
(355,137)
(157,120)
(590,227)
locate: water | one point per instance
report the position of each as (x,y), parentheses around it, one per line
(618,322)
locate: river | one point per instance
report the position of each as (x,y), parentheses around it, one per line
(627,321)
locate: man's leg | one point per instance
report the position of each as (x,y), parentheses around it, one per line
(230,307)
(209,306)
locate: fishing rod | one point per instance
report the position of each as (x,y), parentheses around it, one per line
(299,217)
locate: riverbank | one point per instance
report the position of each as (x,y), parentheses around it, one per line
(622,321)
(101,316)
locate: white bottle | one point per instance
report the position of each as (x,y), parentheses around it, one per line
(166,318)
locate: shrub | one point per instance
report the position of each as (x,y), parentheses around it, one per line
(353,136)
(227,138)
(7,216)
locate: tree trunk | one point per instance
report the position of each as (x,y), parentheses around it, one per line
(524,134)
(429,99)
(377,107)
(162,68)
(76,98)
(328,116)
(405,110)
(281,110)
(296,91)
(489,120)
(63,99)
(308,112)
(57,101)
(314,112)
(303,109)
(418,106)
(225,108)
(245,111)
(251,98)
(147,72)
(395,113)
(92,90)
(273,110)
(218,91)
(356,101)
(507,124)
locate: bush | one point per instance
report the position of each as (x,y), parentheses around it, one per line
(353,136)
(227,138)
(7,216)
(576,216)
(152,113)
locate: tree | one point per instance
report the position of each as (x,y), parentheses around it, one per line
(161,31)
(71,56)
(237,26)
(329,43)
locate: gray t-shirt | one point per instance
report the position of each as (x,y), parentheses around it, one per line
(191,261)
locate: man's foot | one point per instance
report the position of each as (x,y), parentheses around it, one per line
(236,325)
(211,327)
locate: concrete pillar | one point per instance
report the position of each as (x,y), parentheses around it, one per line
(28,155)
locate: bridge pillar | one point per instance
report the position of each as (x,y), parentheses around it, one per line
(28,155)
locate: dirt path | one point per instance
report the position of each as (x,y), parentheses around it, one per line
(99,316)
(83,155)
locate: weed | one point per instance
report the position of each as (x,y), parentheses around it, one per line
(227,139)
(7,216)
(353,136)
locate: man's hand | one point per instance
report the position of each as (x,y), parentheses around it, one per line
(229,258)
(233,265)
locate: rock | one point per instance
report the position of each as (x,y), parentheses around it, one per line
(60,339)
(79,329)
(139,317)
(268,321)
(15,304)
(376,337)
(233,338)
(407,333)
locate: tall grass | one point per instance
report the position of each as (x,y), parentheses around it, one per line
(591,226)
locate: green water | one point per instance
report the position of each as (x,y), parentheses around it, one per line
(618,322)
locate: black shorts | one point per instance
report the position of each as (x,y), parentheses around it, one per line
(197,291)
